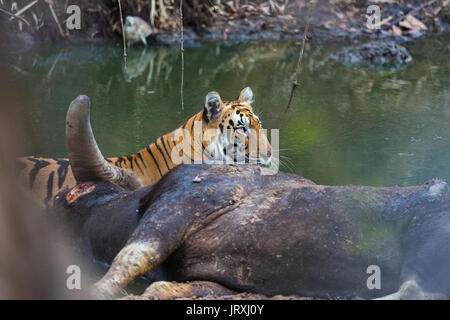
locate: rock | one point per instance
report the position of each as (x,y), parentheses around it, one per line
(373,53)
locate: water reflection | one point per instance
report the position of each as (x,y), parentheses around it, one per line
(346,125)
(148,64)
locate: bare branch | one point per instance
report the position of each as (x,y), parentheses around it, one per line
(299,62)
(412,12)
(21,11)
(123,36)
(14,16)
(61,31)
(182,54)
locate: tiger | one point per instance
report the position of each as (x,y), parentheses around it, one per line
(45,177)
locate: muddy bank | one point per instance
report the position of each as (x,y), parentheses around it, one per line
(400,20)
(44,22)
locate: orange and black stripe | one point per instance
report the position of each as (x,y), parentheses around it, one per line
(46,177)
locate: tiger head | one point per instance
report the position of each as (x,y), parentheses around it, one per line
(235,133)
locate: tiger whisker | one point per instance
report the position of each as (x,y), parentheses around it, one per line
(287,159)
(281,149)
(286,165)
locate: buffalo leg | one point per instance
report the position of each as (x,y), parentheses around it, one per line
(151,243)
(135,259)
(169,218)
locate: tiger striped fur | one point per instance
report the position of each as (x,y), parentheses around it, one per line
(46,177)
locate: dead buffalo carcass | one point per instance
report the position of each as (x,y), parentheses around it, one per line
(218,229)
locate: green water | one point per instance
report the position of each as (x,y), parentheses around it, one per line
(345,126)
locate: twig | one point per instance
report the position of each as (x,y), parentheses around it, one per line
(152,12)
(299,62)
(182,54)
(61,32)
(123,36)
(28,6)
(412,12)
(14,16)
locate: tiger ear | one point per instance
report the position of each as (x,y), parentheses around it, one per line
(213,106)
(246,95)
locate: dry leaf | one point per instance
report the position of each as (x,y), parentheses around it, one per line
(416,22)
(264,9)
(396,31)
(405,24)
(230,4)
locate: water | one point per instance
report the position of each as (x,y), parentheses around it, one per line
(346,125)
